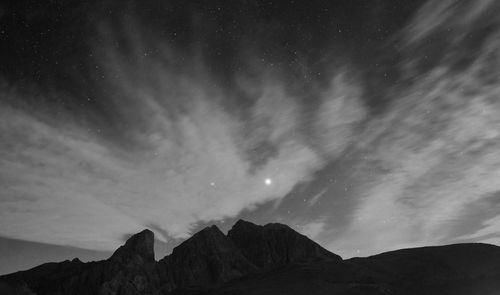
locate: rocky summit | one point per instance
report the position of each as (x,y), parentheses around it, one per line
(276,245)
(139,247)
(269,259)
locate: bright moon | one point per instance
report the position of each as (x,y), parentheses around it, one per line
(268,181)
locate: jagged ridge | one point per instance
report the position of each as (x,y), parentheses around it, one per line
(269,259)
(207,259)
(275,245)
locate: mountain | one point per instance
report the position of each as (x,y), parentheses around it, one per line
(275,245)
(208,257)
(131,267)
(461,269)
(269,259)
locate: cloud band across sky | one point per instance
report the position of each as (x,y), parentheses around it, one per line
(171,144)
(183,156)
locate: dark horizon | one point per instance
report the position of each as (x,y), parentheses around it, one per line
(55,253)
(264,259)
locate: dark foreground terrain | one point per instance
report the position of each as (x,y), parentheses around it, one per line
(270,259)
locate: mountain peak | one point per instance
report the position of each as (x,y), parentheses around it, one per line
(257,256)
(139,245)
(243,225)
(210,230)
(208,257)
(277,226)
(247,225)
(275,244)
(243,222)
(209,239)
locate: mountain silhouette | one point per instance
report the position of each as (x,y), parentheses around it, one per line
(269,259)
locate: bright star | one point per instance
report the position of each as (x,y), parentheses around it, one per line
(268,181)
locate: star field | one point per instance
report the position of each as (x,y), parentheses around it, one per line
(366,125)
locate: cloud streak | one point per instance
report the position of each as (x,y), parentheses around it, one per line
(434,152)
(180,155)
(181,144)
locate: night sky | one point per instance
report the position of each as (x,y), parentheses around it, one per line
(366,125)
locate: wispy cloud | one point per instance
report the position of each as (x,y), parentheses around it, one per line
(340,114)
(312,229)
(181,154)
(452,16)
(314,199)
(435,150)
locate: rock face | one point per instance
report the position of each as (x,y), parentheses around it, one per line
(207,259)
(139,247)
(130,270)
(276,245)
(462,269)
(270,259)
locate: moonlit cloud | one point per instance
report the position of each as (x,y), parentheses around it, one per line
(312,229)
(314,199)
(455,17)
(435,152)
(179,156)
(363,139)
(339,115)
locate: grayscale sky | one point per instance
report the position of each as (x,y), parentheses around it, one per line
(366,125)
